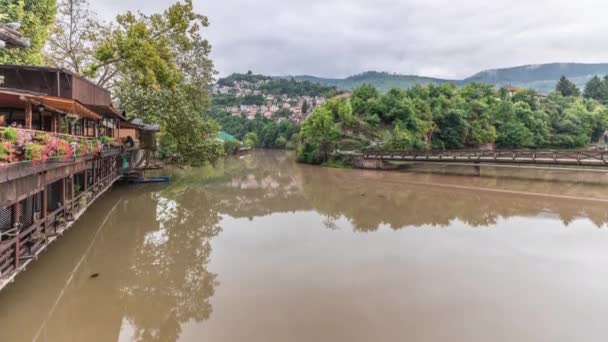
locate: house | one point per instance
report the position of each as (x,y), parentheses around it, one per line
(44,95)
(60,150)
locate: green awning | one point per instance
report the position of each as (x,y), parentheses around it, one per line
(223,136)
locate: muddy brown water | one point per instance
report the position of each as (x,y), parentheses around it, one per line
(263,249)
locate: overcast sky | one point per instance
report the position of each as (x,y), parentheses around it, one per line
(439,38)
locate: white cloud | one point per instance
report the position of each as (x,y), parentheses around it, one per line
(442,38)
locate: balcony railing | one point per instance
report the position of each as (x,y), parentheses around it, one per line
(23,145)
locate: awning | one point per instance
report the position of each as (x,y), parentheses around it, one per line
(107,111)
(139,123)
(68,107)
(17,98)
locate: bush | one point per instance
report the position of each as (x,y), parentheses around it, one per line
(6,151)
(281,142)
(10,135)
(106,140)
(251,139)
(231,147)
(34,152)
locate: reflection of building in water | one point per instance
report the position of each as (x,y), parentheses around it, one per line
(146,288)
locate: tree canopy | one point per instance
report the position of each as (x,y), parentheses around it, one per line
(446,117)
(163,74)
(36,18)
(566,87)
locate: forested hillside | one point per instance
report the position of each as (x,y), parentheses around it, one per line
(447,117)
(382,80)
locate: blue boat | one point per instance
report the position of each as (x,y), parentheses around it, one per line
(150,180)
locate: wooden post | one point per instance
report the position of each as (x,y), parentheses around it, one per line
(54,122)
(72,193)
(86,180)
(94,172)
(44,211)
(28,115)
(63,204)
(16,221)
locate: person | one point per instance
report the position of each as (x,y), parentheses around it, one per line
(130,142)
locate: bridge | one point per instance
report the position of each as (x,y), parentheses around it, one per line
(580,158)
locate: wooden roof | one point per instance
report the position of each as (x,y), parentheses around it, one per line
(18,98)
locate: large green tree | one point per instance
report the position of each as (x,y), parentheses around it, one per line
(156,50)
(36,18)
(597,89)
(163,74)
(566,87)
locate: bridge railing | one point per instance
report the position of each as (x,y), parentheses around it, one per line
(563,157)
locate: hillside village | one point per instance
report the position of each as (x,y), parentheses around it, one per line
(276,99)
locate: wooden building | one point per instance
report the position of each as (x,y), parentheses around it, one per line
(41,198)
(54,84)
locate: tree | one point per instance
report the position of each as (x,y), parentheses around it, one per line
(318,137)
(70,43)
(596,89)
(566,87)
(251,140)
(305,107)
(146,48)
(36,18)
(164,72)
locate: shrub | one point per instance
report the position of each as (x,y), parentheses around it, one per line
(231,147)
(10,134)
(6,152)
(281,142)
(34,151)
(106,140)
(43,137)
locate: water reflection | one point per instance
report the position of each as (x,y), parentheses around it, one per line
(273,183)
(152,246)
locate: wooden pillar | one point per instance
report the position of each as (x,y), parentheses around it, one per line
(94,171)
(86,180)
(28,115)
(54,122)
(63,204)
(44,213)
(16,221)
(72,193)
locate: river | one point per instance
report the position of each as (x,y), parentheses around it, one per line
(263,249)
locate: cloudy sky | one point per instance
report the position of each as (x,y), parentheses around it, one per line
(440,38)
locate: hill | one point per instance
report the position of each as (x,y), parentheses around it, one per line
(541,77)
(384,81)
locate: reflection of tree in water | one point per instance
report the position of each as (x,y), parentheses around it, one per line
(274,183)
(169,283)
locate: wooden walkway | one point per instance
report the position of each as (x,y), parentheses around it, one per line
(590,158)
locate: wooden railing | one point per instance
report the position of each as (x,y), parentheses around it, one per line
(58,135)
(554,157)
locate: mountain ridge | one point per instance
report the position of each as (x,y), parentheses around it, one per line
(541,77)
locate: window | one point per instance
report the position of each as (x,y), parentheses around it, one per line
(1,80)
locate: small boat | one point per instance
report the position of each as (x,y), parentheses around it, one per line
(153,180)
